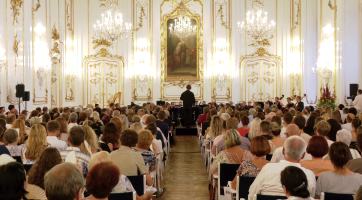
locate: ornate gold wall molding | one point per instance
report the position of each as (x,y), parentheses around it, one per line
(37,6)
(100,42)
(15,6)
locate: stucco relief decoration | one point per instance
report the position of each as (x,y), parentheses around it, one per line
(55,52)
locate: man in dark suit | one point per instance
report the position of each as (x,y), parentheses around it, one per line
(188,99)
(299,103)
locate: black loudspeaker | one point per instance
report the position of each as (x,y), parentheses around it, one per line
(26,96)
(160,103)
(20,88)
(353,89)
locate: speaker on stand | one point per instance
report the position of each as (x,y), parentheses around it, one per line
(26,98)
(352,91)
(20,92)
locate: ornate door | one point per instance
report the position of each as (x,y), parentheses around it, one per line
(261,74)
(104,77)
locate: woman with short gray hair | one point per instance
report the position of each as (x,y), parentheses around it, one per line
(233,154)
(345,136)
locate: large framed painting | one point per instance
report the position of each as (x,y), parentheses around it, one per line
(181,56)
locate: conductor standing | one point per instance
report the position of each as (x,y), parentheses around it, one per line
(188,99)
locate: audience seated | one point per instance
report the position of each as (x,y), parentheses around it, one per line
(35,145)
(76,138)
(12,138)
(53,128)
(254,128)
(274,130)
(323,128)
(341,179)
(287,119)
(215,129)
(90,145)
(355,165)
(250,168)
(109,140)
(63,136)
(244,129)
(268,180)
(300,122)
(206,124)
(47,160)
(295,184)
(20,126)
(73,118)
(317,147)
(64,175)
(233,154)
(345,136)
(308,129)
(355,124)
(145,139)
(157,143)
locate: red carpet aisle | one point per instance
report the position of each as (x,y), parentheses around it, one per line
(185,176)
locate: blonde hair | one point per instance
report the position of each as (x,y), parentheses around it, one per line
(137,127)
(215,126)
(124,122)
(20,124)
(87,123)
(145,139)
(100,157)
(221,111)
(232,138)
(254,128)
(91,139)
(326,116)
(95,116)
(36,143)
(323,128)
(63,124)
(329,111)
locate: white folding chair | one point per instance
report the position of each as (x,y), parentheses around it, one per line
(157,175)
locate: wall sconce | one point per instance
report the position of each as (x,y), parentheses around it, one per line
(326,55)
(221,70)
(142,70)
(2,58)
(42,61)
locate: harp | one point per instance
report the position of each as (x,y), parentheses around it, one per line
(114,99)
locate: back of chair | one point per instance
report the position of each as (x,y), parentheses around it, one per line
(138,183)
(242,186)
(123,196)
(334,196)
(269,197)
(27,168)
(18,159)
(226,172)
(269,157)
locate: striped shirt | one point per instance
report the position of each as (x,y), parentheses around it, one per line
(82,158)
(148,156)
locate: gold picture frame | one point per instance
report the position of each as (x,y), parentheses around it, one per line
(175,13)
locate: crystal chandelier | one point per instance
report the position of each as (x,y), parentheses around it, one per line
(2,58)
(111,27)
(221,70)
(257,27)
(182,28)
(326,55)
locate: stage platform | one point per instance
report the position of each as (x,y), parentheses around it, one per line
(186,131)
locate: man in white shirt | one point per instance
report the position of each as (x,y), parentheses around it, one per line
(348,125)
(300,122)
(287,119)
(9,120)
(291,130)
(53,128)
(268,180)
(357,103)
(73,117)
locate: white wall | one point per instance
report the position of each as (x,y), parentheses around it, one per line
(314,15)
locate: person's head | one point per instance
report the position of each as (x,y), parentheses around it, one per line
(356,123)
(294,148)
(45,118)
(106,119)
(344,136)
(245,120)
(63,124)
(99,157)
(101,179)
(206,109)
(232,138)
(20,124)
(64,182)
(73,117)
(53,128)
(161,115)
(150,118)
(299,121)
(352,110)
(292,130)
(212,113)
(49,158)
(359,142)
(345,110)
(274,129)
(110,134)
(11,136)
(317,146)
(323,128)
(350,117)
(36,142)
(188,87)
(359,91)
(335,126)
(288,118)
(260,146)
(145,139)
(232,123)
(129,138)
(339,154)
(264,127)
(254,128)
(76,136)
(82,116)
(337,116)
(294,182)
(137,127)
(152,127)
(119,125)
(276,119)
(216,126)
(13,181)
(95,116)
(10,118)
(123,118)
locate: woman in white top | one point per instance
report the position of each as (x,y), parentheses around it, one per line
(11,138)
(295,183)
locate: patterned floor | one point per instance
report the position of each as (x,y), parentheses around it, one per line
(185,176)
